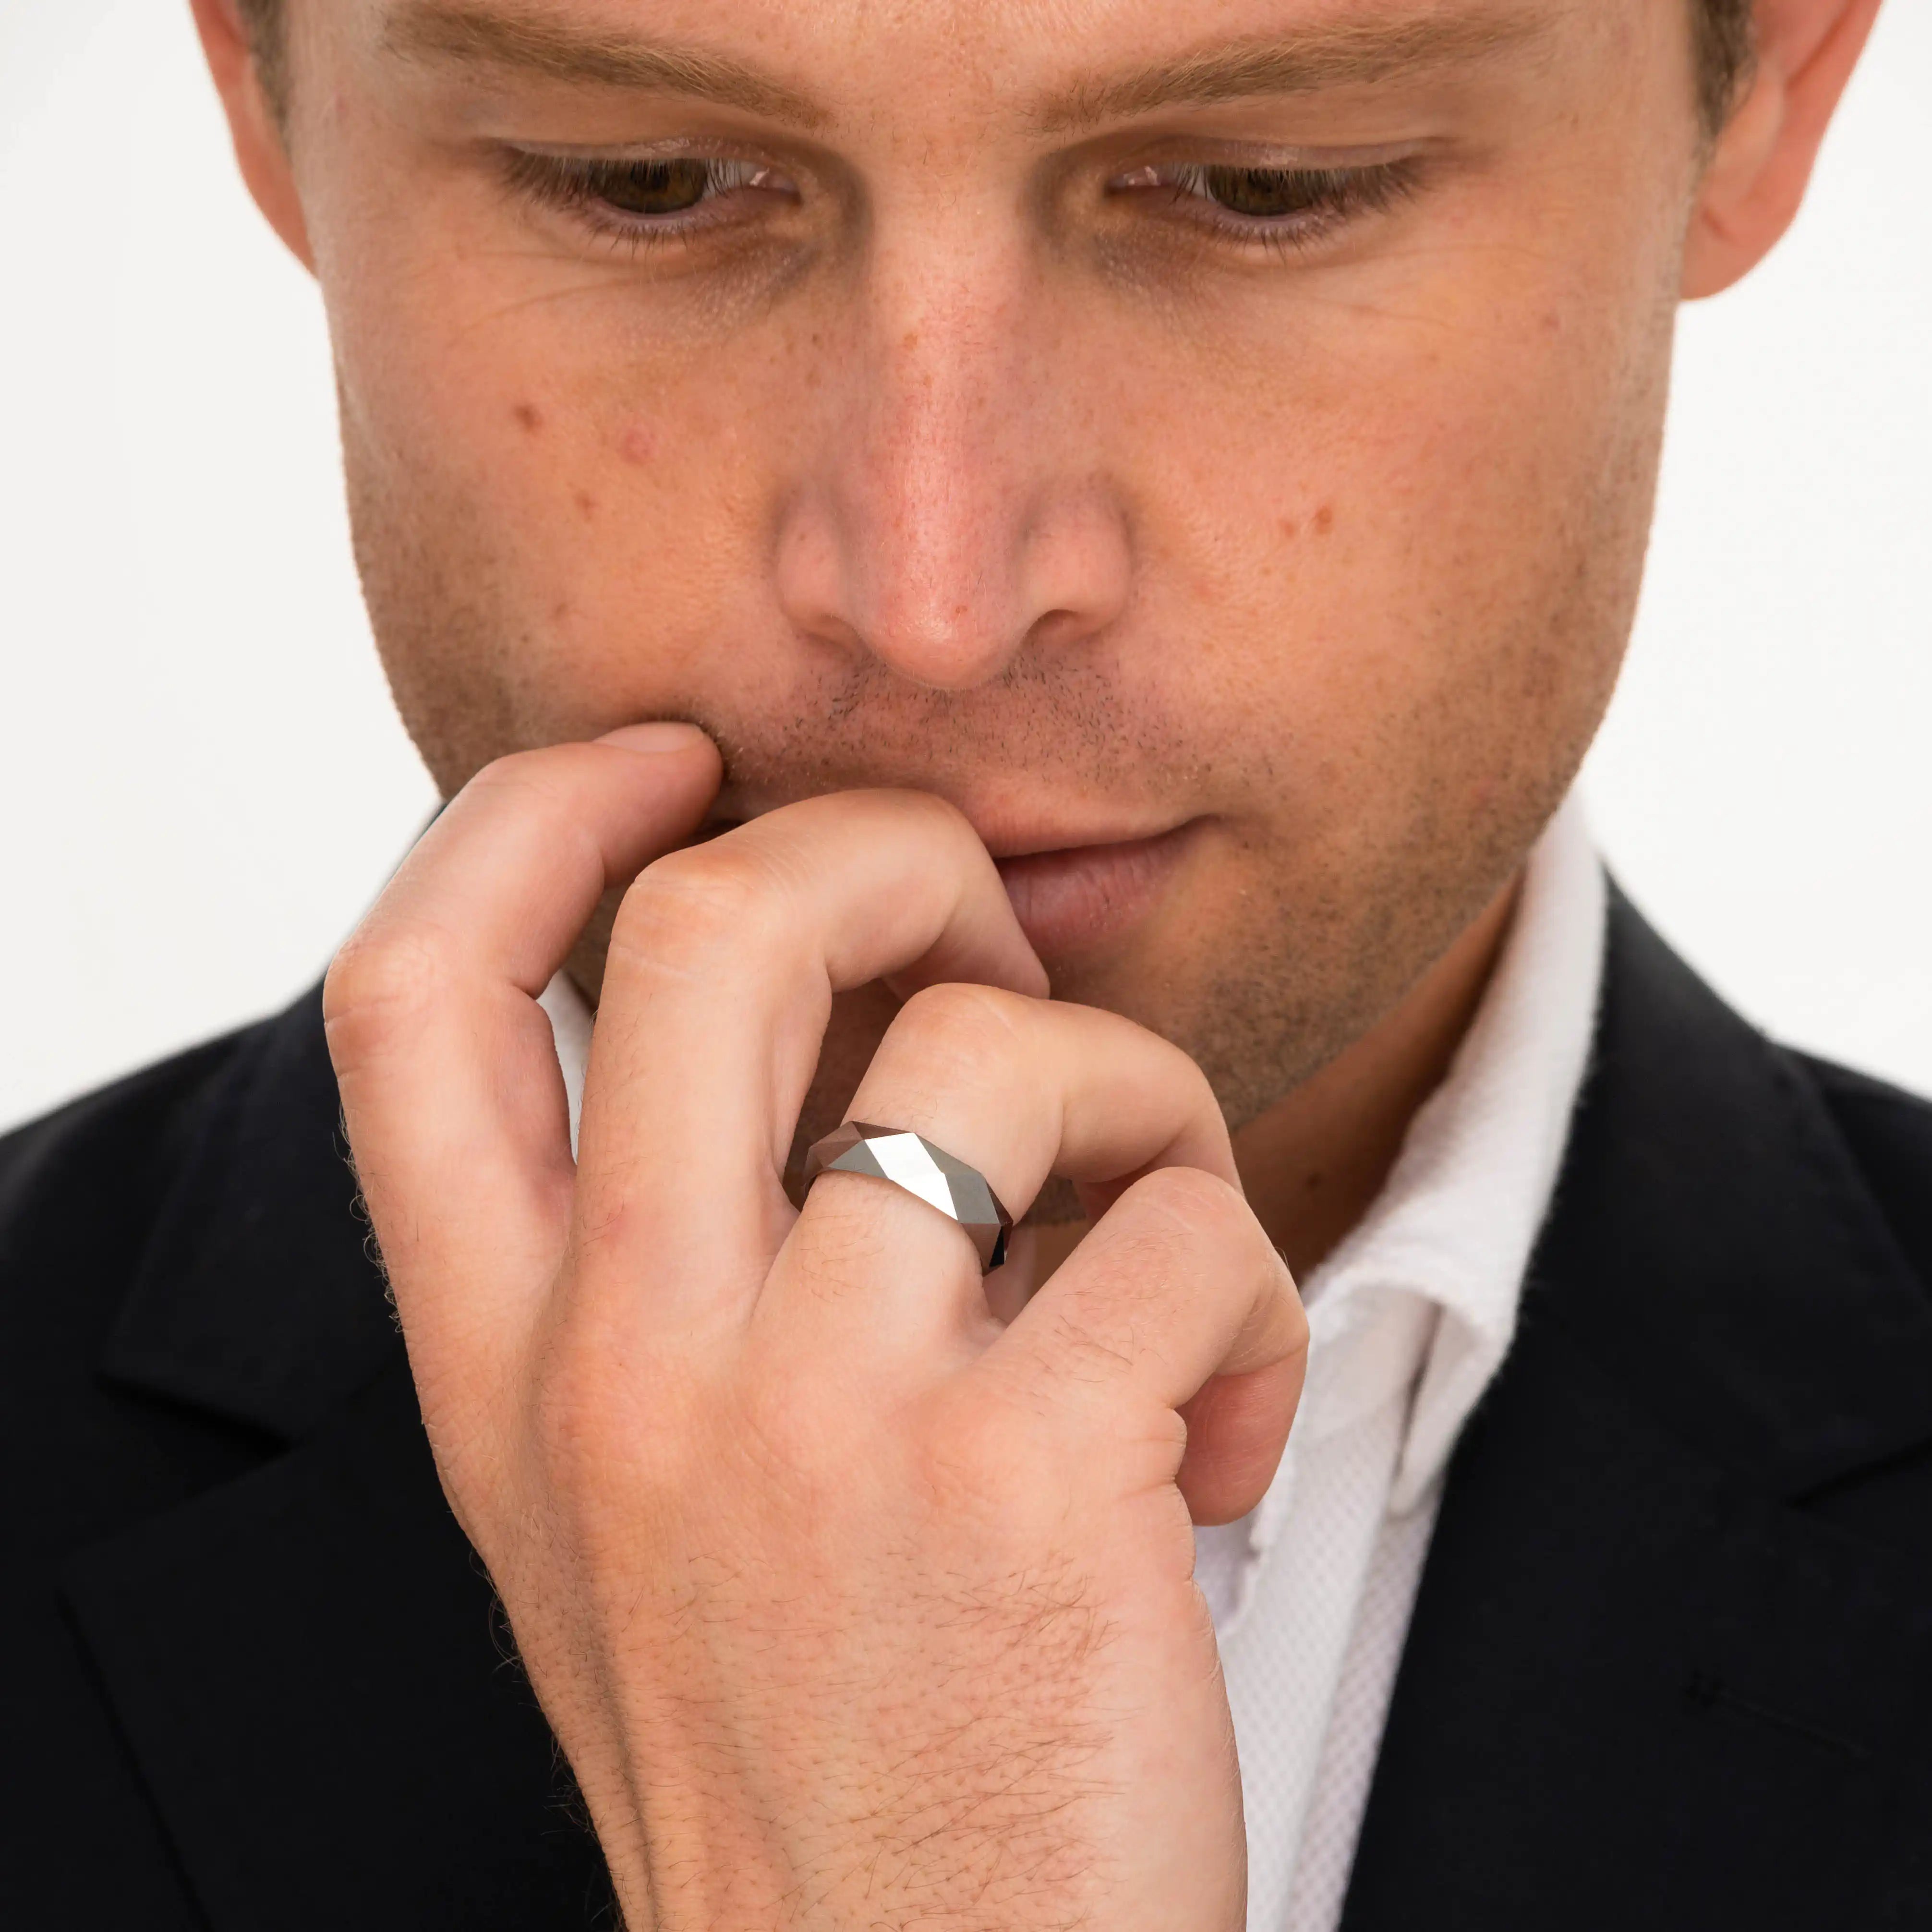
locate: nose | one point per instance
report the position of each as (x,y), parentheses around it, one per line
(953,511)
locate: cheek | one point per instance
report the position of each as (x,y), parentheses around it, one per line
(609,504)
(1427,502)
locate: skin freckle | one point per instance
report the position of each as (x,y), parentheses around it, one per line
(1324,520)
(529,417)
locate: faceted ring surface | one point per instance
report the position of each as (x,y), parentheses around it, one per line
(907,1160)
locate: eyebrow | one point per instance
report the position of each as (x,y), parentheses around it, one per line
(1324,56)
(515,40)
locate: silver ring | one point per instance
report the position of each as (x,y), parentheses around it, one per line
(907,1160)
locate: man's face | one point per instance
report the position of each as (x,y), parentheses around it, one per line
(1231,426)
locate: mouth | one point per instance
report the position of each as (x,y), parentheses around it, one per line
(1074,899)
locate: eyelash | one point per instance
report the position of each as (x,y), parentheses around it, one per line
(1325,200)
(578,187)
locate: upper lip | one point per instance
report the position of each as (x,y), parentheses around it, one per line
(1023,848)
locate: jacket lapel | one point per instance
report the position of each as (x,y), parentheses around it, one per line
(306,1663)
(1651,1679)
(258,1298)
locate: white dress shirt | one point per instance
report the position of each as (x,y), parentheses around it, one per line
(1410,1317)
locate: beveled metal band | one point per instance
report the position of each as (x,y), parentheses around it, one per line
(960,1192)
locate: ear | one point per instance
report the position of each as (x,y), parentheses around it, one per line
(1762,161)
(260,145)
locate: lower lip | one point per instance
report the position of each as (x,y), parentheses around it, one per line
(1072,900)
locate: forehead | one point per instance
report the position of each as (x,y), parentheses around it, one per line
(1059,64)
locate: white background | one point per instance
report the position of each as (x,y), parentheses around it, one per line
(202,781)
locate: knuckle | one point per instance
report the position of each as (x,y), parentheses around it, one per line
(1188,1207)
(1176,1228)
(691,906)
(959,1034)
(377,985)
(1191,1226)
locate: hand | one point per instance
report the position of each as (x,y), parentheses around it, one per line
(851,1606)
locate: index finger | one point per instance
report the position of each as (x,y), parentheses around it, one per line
(450,1090)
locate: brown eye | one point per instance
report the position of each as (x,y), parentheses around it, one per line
(651,187)
(1262,193)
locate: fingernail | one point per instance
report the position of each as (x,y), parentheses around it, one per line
(659,736)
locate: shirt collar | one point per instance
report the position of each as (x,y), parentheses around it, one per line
(1451,1232)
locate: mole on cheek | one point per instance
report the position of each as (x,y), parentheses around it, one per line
(1323,520)
(586,505)
(529,416)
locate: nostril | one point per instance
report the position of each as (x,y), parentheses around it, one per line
(1059,629)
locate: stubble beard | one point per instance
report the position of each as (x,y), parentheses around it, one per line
(1312,947)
